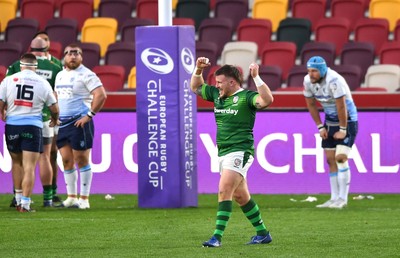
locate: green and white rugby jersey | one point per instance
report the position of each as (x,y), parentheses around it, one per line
(235,118)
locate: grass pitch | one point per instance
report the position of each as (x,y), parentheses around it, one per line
(118,228)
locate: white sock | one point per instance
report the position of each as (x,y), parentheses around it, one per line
(26,202)
(333,179)
(71,180)
(18,196)
(344,177)
(86,179)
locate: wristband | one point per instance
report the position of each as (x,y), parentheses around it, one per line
(198,75)
(343,129)
(258,81)
(320,127)
(91,114)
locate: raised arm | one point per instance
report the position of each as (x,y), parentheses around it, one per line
(265,97)
(197,77)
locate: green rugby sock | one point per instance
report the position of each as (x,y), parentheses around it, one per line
(253,214)
(47,193)
(223,215)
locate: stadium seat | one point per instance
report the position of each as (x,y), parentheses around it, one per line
(282,54)
(100,30)
(63,30)
(371,89)
(79,10)
(207,49)
(270,74)
(255,30)
(123,54)
(8,11)
(235,10)
(323,49)
(96,4)
(295,89)
(129,26)
(112,77)
(120,10)
(132,78)
(198,10)
(388,9)
(351,10)
(358,53)
(239,53)
(217,30)
(210,79)
(274,10)
(3,72)
(390,53)
(21,30)
(90,54)
(296,30)
(9,52)
(147,9)
(351,73)
(183,21)
(313,10)
(56,49)
(335,30)
(374,30)
(383,75)
(296,76)
(41,10)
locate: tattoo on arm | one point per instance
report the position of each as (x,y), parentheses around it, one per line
(198,90)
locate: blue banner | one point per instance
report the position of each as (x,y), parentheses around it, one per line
(166,117)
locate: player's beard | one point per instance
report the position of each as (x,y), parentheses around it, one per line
(72,65)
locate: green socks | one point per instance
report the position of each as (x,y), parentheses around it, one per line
(223,215)
(252,213)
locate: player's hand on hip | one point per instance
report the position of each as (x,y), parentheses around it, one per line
(81,122)
(323,133)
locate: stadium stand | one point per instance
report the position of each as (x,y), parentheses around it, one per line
(8,11)
(282,54)
(9,52)
(79,10)
(127,31)
(123,54)
(198,10)
(296,76)
(132,78)
(274,10)
(335,30)
(390,53)
(323,49)
(351,73)
(383,75)
(3,72)
(255,30)
(313,10)
(239,53)
(235,10)
(388,9)
(217,30)
(147,9)
(112,76)
(358,53)
(40,10)
(207,49)
(351,10)
(296,30)
(21,30)
(120,10)
(100,30)
(374,30)
(271,74)
(63,30)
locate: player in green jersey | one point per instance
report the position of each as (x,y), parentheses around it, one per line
(234,110)
(48,70)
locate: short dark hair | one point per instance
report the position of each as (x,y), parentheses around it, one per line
(230,71)
(28,59)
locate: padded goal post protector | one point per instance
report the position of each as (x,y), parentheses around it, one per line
(166,117)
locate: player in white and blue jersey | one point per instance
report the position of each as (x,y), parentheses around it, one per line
(80,95)
(25,94)
(339,130)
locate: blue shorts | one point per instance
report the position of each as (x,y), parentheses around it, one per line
(330,143)
(24,138)
(79,138)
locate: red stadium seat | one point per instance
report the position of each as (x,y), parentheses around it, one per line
(112,76)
